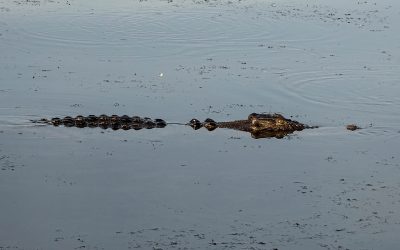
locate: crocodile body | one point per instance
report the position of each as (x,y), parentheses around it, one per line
(259,125)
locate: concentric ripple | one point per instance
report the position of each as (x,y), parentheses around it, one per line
(355,89)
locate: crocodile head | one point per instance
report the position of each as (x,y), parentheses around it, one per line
(272,122)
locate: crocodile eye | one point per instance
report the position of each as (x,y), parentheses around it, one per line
(279,121)
(252,116)
(255,122)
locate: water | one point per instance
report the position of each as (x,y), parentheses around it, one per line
(326,63)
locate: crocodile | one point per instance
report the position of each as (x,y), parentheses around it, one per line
(258,125)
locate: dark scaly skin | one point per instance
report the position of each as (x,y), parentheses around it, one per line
(114,122)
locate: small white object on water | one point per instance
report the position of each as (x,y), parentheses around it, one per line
(161,74)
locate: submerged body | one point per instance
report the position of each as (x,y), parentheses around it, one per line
(259,125)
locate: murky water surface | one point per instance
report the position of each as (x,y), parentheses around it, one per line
(325,63)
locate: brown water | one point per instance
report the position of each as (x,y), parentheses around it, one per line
(326,63)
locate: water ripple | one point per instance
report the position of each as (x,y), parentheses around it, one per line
(354,89)
(151,33)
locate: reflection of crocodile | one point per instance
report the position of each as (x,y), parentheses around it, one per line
(259,125)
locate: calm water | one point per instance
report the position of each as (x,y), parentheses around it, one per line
(326,63)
